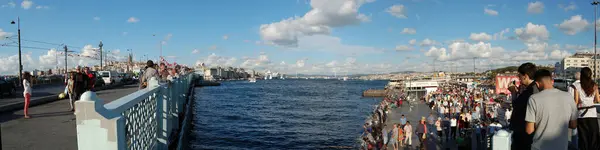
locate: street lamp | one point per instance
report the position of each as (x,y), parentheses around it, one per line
(19,37)
(129,58)
(100,45)
(160,44)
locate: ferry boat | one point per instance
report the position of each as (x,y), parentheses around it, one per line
(395,84)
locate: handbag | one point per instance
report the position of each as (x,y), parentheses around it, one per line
(66,89)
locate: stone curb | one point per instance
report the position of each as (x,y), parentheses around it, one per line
(43,100)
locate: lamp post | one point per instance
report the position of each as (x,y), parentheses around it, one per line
(100,45)
(595,3)
(129,58)
(19,40)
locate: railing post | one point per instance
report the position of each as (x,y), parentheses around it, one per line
(161,117)
(93,130)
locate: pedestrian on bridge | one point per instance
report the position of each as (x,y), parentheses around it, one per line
(422,133)
(71,90)
(26,93)
(149,72)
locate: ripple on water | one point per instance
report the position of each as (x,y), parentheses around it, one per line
(281,114)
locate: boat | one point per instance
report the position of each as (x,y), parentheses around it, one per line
(252,80)
(345,78)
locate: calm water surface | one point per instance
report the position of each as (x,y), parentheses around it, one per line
(281,114)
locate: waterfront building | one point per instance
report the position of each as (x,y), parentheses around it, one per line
(574,63)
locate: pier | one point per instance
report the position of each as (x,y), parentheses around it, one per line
(120,117)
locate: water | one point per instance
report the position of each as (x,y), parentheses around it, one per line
(282,114)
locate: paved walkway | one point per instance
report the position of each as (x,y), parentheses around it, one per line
(413,114)
(52,125)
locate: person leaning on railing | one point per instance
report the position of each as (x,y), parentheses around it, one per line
(149,72)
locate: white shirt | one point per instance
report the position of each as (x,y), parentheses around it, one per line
(26,87)
(584,101)
(508,113)
(453,122)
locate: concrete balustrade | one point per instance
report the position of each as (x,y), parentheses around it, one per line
(147,119)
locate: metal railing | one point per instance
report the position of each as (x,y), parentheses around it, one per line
(145,119)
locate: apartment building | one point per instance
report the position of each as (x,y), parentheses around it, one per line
(572,64)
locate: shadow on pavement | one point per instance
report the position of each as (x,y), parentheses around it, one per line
(9,116)
(51,114)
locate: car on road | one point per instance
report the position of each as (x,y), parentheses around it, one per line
(126,77)
(7,87)
(110,77)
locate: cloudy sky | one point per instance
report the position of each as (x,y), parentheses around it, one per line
(304,36)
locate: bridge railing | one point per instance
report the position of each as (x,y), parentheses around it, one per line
(146,119)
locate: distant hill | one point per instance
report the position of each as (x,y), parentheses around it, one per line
(403,72)
(515,68)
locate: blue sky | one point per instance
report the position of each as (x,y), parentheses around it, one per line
(313,37)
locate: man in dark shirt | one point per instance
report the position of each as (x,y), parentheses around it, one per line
(520,138)
(422,133)
(81,83)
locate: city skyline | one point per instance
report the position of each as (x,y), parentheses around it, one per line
(299,36)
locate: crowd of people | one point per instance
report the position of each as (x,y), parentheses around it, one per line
(537,115)
(373,135)
(82,80)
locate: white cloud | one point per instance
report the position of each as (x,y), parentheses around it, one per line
(428,42)
(195,51)
(397,11)
(41,7)
(409,31)
(535,7)
(574,25)
(3,34)
(490,12)
(412,42)
(500,35)
(133,20)
(558,54)
(528,56)
(464,50)
(332,44)
(10,65)
(324,15)
(262,62)
(300,63)
(26,4)
(10,5)
(536,47)
(575,47)
(90,51)
(480,37)
(97,18)
(569,7)
(532,33)
(215,61)
(225,37)
(404,48)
